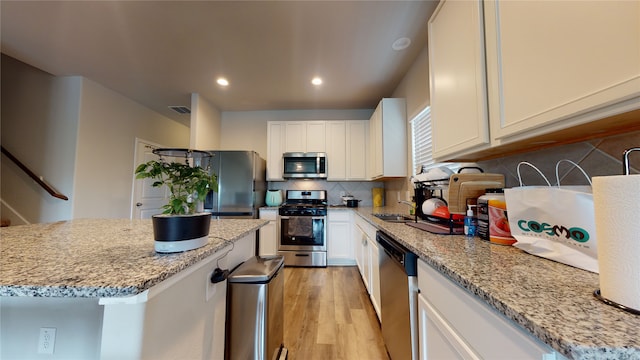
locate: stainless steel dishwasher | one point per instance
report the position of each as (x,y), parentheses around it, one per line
(399,298)
(255,319)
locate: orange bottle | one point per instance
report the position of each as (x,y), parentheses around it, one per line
(499,230)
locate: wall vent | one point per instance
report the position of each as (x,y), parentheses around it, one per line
(180,109)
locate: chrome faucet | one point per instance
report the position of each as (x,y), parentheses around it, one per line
(412,206)
(625,160)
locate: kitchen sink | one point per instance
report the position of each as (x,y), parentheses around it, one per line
(393,217)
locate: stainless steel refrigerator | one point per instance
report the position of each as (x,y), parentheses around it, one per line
(241,184)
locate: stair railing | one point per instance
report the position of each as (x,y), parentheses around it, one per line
(38,179)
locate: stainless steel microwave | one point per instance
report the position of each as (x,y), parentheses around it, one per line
(299,165)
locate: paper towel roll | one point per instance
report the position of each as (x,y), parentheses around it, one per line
(616,202)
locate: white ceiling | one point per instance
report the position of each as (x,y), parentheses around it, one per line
(159,52)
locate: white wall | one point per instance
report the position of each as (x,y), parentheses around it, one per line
(247,130)
(39,123)
(109,124)
(205,124)
(414,87)
(80,137)
(85,129)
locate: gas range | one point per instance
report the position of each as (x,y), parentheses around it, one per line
(304,203)
(303,228)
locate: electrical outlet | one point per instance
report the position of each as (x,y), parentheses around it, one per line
(47,341)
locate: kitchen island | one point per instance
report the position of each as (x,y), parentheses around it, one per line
(108,294)
(551,302)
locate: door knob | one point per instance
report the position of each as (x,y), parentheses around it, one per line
(138,204)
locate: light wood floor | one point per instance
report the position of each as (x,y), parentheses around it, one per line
(328,315)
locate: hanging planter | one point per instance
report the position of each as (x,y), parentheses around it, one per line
(180,227)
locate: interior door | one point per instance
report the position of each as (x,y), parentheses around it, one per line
(147,200)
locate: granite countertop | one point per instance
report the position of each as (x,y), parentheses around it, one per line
(98,257)
(552,301)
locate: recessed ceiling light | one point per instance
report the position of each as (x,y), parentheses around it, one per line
(316,81)
(222,82)
(401,44)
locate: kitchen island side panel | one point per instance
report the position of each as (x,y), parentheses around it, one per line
(185,320)
(180,317)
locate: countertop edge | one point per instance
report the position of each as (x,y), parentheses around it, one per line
(188,259)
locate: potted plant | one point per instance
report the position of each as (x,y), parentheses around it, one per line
(181,226)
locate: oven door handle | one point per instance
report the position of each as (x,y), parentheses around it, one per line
(312,217)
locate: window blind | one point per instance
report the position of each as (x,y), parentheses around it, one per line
(421,140)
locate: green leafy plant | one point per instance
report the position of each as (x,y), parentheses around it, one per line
(188,185)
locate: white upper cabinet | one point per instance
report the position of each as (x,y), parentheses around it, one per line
(556,64)
(356,149)
(388,139)
(344,141)
(375,143)
(316,131)
(347,149)
(460,118)
(546,67)
(304,136)
(275,149)
(291,136)
(295,135)
(336,146)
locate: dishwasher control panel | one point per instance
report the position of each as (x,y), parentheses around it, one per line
(396,251)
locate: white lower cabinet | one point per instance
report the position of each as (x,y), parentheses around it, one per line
(437,339)
(360,246)
(268,242)
(374,282)
(339,244)
(368,259)
(454,324)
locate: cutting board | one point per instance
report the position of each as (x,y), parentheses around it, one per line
(465,189)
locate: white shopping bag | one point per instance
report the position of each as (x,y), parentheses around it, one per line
(554,222)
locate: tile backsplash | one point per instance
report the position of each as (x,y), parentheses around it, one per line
(361,190)
(598,157)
